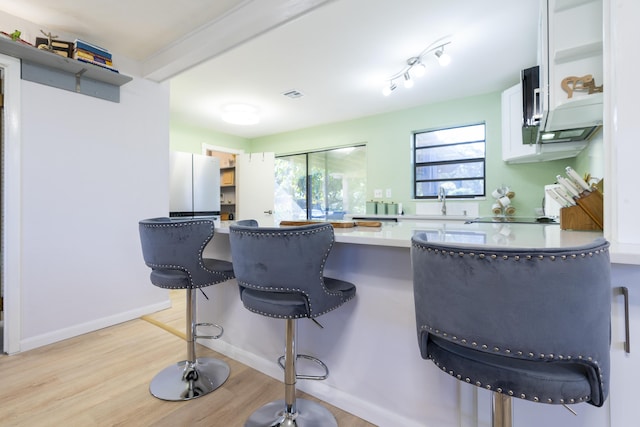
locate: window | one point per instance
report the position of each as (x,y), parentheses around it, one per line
(452,159)
(321,185)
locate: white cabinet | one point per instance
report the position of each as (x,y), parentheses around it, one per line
(625,367)
(571,47)
(513,149)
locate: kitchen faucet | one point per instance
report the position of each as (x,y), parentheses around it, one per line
(442,196)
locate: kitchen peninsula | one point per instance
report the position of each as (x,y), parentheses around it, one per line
(370,346)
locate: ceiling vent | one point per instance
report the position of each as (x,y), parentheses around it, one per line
(293,94)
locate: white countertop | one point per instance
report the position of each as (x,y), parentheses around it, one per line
(398,234)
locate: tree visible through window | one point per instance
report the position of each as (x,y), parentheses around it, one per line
(452,159)
(321,185)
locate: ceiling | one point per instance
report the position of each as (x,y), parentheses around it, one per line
(337,53)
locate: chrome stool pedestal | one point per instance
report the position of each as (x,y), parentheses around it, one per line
(193,377)
(293,412)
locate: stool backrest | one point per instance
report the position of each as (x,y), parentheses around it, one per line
(287,259)
(176,246)
(536,304)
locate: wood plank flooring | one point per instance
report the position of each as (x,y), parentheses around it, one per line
(102,379)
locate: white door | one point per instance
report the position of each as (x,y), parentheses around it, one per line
(255,187)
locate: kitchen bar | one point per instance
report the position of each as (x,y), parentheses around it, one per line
(370,346)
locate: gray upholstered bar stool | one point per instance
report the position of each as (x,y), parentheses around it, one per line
(280,274)
(173,250)
(525,323)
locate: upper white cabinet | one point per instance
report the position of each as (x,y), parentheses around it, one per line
(513,150)
(571,49)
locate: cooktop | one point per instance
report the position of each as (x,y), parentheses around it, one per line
(515,220)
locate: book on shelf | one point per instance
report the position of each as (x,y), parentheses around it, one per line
(80,53)
(95,49)
(106,67)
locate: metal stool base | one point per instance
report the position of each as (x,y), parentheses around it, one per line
(310,414)
(170,384)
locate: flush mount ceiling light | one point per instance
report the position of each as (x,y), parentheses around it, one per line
(416,67)
(240,114)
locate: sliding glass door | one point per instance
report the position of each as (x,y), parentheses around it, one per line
(321,185)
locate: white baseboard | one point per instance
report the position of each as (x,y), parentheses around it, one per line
(94,325)
(368,411)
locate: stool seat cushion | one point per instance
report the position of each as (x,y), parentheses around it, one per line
(549,382)
(289,305)
(218,265)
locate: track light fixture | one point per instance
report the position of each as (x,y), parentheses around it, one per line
(416,67)
(386,91)
(408,83)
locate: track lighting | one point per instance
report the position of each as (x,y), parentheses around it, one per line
(386,91)
(416,67)
(408,83)
(443,58)
(419,70)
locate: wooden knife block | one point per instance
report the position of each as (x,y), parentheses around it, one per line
(587,215)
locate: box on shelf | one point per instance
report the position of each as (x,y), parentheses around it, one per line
(227,178)
(60,47)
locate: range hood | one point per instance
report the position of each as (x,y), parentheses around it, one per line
(573,122)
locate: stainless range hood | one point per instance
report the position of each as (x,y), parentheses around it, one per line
(577,120)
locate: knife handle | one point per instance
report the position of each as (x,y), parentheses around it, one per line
(557,198)
(575,177)
(565,195)
(572,189)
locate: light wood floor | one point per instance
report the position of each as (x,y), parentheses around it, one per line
(102,379)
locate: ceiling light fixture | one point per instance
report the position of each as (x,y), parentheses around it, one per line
(408,83)
(240,114)
(386,91)
(443,58)
(416,67)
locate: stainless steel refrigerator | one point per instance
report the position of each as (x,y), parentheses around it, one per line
(194,189)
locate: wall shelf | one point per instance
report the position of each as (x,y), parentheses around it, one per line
(51,69)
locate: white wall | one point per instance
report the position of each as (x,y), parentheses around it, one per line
(90,170)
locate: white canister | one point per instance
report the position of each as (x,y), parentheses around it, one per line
(504,201)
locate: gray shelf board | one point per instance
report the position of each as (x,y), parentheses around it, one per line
(55,61)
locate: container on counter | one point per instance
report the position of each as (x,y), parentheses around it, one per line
(391,208)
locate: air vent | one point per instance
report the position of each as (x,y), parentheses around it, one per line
(293,94)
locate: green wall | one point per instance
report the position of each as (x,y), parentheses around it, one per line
(388,139)
(183,137)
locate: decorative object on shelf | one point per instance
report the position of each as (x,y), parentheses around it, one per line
(15,36)
(584,83)
(59,47)
(416,66)
(502,205)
